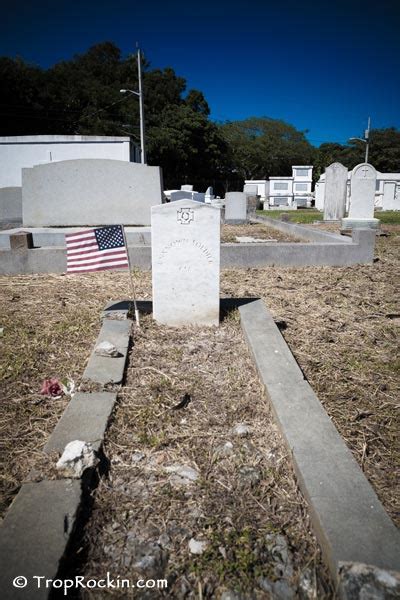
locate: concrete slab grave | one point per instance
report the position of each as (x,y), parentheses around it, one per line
(186,263)
(335,192)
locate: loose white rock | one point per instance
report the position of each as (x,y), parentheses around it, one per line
(225,449)
(138,456)
(76,458)
(241,429)
(358,580)
(197,546)
(184,475)
(106,349)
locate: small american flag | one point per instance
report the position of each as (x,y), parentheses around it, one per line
(96,249)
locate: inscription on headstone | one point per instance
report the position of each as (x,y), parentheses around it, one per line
(335,192)
(185,263)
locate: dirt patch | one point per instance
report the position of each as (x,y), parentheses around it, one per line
(196,458)
(229,233)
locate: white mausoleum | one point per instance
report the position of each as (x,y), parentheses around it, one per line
(294,191)
(18,152)
(21,152)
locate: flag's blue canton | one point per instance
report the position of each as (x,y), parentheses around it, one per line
(109,237)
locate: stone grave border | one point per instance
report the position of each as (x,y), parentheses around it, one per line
(325,249)
(350,523)
(40,524)
(348,519)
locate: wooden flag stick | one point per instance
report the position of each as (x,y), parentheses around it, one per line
(131,280)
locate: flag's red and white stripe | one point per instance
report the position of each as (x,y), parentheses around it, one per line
(83,254)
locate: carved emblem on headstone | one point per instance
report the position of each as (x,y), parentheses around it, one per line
(364,171)
(185,215)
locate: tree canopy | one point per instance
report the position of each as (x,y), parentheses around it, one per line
(260,147)
(82,96)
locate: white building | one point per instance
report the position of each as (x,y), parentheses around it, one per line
(302,184)
(292,191)
(387,193)
(27,151)
(257,187)
(280,191)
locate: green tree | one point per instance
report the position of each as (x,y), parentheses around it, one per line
(82,96)
(22,110)
(188,146)
(384,152)
(260,147)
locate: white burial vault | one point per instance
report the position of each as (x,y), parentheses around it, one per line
(185,263)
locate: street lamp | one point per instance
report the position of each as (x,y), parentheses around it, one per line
(365,139)
(141,108)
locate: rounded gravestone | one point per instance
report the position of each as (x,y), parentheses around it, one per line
(335,192)
(362,198)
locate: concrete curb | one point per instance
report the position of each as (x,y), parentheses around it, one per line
(350,522)
(45,237)
(330,250)
(106,370)
(85,418)
(40,522)
(34,536)
(302,231)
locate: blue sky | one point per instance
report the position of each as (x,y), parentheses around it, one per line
(321,66)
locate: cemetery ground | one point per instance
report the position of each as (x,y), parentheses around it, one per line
(230,233)
(310,215)
(239,495)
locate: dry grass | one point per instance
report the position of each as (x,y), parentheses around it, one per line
(342,326)
(50,324)
(241,496)
(255,230)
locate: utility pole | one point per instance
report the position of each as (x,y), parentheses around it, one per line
(139,94)
(367,139)
(141,108)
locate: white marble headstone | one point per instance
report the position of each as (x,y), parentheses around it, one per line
(209,195)
(235,207)
(391,196)
(362,198)
(185,263)
(335,192)
(363,183)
